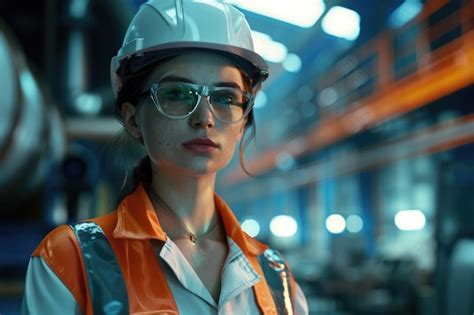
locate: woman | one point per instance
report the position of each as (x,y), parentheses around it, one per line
(185,80)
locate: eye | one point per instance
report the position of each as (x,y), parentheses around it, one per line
(226,98)
(177,97)
(176,94)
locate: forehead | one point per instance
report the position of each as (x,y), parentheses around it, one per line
(199,67)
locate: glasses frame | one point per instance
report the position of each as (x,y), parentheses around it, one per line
(202,90)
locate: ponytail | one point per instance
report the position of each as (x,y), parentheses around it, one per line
(142,173)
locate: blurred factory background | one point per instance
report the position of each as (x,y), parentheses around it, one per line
(364,152)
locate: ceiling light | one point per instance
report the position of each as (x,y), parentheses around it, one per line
(354,223)
(269,49)
(283,226)
(328,96)
(285,161)
(292,63)
(410,220)
(88,103)
(342,22)
(251,227)
(404,13)
(302,13)
(335,223)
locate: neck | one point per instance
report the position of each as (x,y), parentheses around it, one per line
(191,198)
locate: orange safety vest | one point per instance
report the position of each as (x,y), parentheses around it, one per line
(129,231)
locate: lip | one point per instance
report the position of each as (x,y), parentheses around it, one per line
(201,145)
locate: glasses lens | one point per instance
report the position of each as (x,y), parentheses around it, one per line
(177,100)
(229,104)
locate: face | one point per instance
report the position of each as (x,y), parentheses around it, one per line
(166,140)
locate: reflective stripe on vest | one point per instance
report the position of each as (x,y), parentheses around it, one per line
(107,286)
(105,280)
(278,275)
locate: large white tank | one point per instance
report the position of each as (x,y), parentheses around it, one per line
(32,135)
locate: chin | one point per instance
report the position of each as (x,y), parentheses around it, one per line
(205,169)
(193,167)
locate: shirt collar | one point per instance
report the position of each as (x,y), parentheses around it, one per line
(136,219)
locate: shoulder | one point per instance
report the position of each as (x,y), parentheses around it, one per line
(61,251)
(61,243)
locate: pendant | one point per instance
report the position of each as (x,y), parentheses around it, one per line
(193,237)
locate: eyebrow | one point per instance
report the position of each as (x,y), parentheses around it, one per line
(173,78)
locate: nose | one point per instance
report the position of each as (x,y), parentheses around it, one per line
(202,116)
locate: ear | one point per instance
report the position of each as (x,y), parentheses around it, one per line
(130,119)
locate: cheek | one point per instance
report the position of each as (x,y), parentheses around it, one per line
(240,132)
(233,138)
(157,139)
(157,135)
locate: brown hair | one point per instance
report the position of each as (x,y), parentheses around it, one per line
(132,92)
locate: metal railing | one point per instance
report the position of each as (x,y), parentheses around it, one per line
(395,55)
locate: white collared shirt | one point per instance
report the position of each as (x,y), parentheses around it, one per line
(46,294)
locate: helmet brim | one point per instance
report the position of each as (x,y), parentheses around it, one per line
(252,63)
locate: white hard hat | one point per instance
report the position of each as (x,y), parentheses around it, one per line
(164,28)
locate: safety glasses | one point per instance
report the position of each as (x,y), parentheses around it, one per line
(178,100)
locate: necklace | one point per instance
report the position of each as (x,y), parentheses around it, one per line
(191,235)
